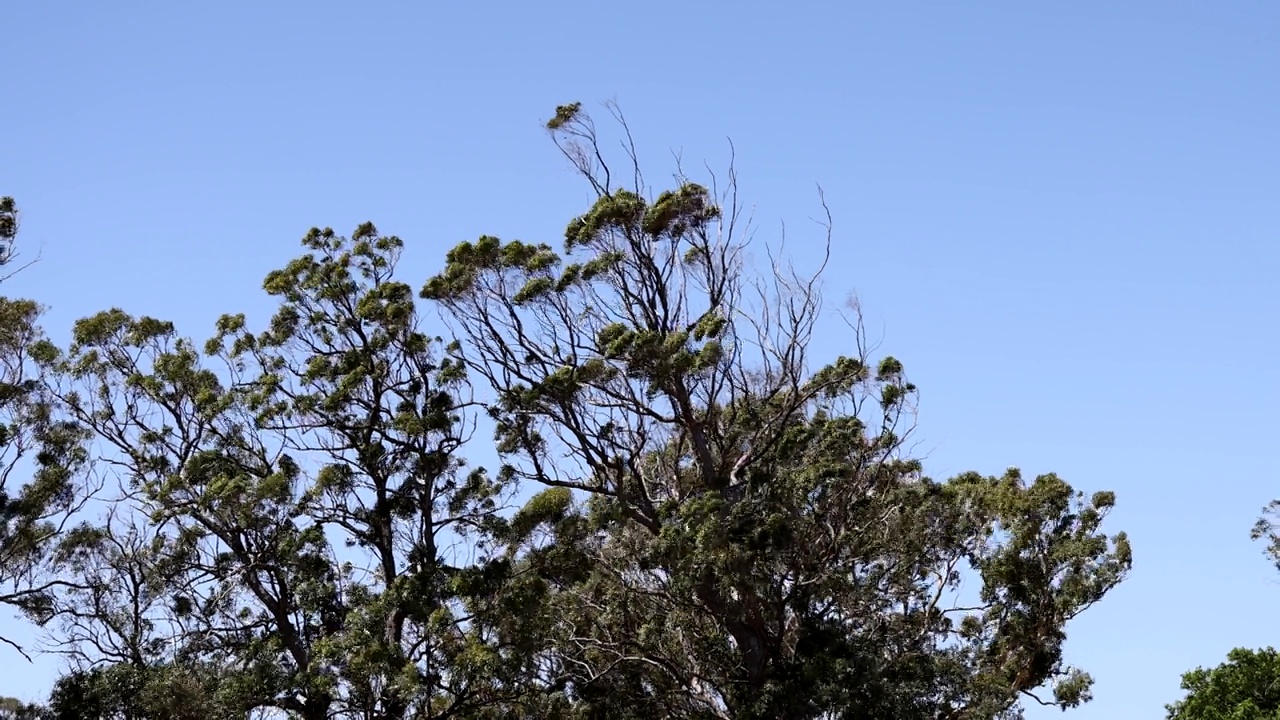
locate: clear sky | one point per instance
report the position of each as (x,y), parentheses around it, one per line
(1061,216)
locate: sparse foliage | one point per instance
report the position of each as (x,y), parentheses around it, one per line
(41,458)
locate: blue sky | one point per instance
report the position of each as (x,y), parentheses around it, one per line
(1061,216)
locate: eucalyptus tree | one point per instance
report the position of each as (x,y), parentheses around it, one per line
(732,527)
(725,524)
(41,454)
(279,541)
(42,463)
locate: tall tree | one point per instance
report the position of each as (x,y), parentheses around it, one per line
(1245,687)
(725,528)
(40,453)
(295,490)
(730,529)
(41,458)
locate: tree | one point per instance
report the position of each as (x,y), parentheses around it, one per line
(128,692)
(728,529)
(724,527)
(128,653)
(286,498)
(41,456)
(1245,687)
(40,453)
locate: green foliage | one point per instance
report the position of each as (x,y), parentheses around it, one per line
(721,526)
(41,455)
(1245,687)
(296,482)
(564,115)
(161,692)
(751,540)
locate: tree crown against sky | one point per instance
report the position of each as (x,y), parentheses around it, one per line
(727,526)
(1245,687)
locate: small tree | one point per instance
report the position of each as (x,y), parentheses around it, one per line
(41,454)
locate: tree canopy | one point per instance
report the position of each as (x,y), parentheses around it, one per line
(1245,687)
(715,522)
